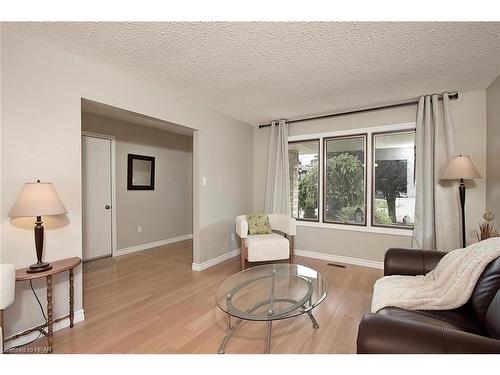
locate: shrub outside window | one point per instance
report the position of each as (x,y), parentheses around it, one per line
(303,157)
(364,179)
(345,180)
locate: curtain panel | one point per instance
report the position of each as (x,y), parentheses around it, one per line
(437,213)
(277,199)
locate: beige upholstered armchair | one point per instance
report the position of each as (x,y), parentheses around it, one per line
(267,247)
(7,289)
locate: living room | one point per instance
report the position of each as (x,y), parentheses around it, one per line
(270,187)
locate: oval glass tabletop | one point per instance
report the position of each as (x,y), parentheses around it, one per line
(272,292)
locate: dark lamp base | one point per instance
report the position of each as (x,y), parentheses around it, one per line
(39,267)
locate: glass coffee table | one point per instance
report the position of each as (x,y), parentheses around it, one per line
(268,293)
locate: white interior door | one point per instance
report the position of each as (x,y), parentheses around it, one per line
(96,174)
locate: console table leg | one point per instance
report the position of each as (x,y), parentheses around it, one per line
(2,325)
(50,320)
(269,333)
(71,298)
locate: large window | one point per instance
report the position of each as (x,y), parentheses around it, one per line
(303,158)
(363,180)
(394,179)
(344,189)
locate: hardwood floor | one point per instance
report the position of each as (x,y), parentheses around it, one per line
(152,302)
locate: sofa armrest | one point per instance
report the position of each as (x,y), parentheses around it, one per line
(7,285)
(380,334)
(412,262)
(283,223)
(7,293)
(242,226)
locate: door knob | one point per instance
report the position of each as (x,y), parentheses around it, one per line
(107,207)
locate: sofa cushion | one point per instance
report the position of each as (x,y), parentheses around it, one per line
(462,319)
(264,247)
(258,224)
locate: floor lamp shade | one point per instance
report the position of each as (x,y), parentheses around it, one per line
(461,168)
(38,199)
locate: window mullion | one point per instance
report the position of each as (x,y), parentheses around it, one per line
(369,179)
(320,182)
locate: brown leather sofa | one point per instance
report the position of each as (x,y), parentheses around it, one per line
(472,328)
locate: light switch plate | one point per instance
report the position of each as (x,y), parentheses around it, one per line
(204,181)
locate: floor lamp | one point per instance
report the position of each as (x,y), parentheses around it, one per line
(461,168)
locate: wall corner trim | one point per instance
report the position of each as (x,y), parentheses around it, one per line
(150,245)
(219,259)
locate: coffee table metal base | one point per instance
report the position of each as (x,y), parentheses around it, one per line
(231,329)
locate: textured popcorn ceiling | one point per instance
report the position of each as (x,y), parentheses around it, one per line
(260,71)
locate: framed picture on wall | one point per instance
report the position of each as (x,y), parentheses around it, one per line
(140,172)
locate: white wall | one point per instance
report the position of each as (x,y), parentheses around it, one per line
(469,114)
(166,211)
(42,88)
(493,149)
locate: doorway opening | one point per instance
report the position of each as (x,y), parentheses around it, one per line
(137,188)
(98,195)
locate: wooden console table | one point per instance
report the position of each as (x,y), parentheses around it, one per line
(58,266)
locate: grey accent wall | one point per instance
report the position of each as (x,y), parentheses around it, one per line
(166,211)
(469,114)
(493,149)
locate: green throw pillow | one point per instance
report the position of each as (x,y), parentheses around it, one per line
(258,224)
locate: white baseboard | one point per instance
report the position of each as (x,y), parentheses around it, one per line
(212,262)
(340,259)
(150,245)
(303,253)
(79,316)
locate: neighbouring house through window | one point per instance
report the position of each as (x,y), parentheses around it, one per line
(394,179)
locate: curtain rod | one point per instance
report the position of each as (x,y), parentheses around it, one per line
(401,104)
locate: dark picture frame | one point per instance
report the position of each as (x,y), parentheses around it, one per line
(130,172)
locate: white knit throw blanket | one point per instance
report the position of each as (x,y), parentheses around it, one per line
(448,286)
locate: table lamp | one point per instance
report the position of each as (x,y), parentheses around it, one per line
(461,168)
(38,199)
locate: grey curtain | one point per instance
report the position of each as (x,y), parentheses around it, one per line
(277,199)
(437,212)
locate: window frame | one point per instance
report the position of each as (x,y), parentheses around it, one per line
(317,220)
(368,228)
(364,136)
(372,221)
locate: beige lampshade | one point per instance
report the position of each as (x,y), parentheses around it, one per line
(460,167)
(37,199)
